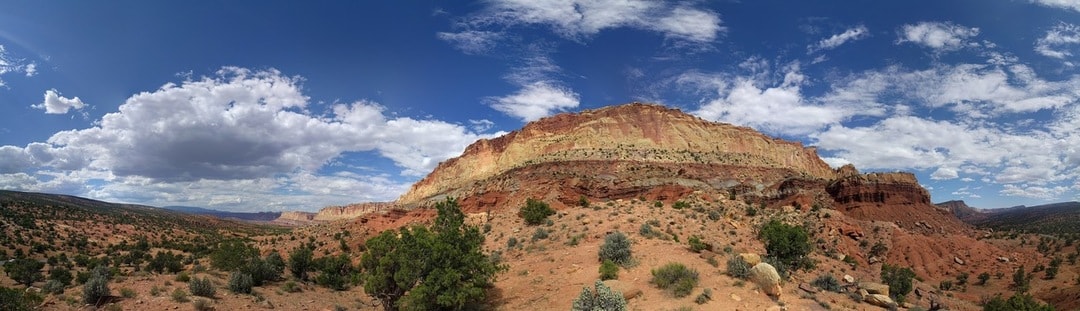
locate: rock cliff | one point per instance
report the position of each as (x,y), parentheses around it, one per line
(349,211)
(618,151)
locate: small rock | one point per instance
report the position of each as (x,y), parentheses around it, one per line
(735,297)
(807,288)
(873,260)
(849,278)
(585,221)
(516,230)
(628,290)
(1003,259)
(958,260)
(880,300)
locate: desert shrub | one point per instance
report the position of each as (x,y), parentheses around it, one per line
(290,287)
(609,270)
(128,293)
(95,289)
(179,295)
(232,254)
(983,278)
(827,282)
(19,300)
(789,244)
(165,262)
(536,211)
(945,285)
(61,275)
(300,262)
(616,248)
(738,268)
(183,277)
(202,305)
(961,279)
(1018,302)
(879,249)
(202,287)
(680,205)
(540,234)
(676,278)
(704,297)
(53,287)
(602,298)
(1021,280)
(240,282)
(658,204)
(334,271)
(583,201)
(696,245)
(898,279)
(751,211)
(511,242)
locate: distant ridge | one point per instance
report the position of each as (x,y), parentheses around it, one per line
(1061,217)
(259,216)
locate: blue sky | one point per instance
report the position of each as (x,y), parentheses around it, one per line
(276,105)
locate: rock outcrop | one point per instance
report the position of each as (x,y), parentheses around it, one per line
(616,152)
(350,211)
(296,217)
(766,277)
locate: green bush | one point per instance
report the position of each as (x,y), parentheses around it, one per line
(61,275)
(789,244)
(603,298)
(179,295)
(300,262)
(616,248)
(290,287)
(25,271)
(609,270)
(738,268)
(983,278)
(183,277)
(53,287)
(448,258)
(95,289)
(676,278)
(704,297)
(240,283)
(334,271)
(1018,302)
(128,293)
(18,300)
(827,282)
(535,212)
(898,279)
(1021,280)
(680,205)
(540,234)
(696,245)
(202,305)
(202,287)
(232,254)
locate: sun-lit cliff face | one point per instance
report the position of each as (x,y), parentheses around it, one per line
(632,135)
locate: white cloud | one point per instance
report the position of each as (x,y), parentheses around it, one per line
(944,173)
(481,125)
(1061,4)
(756,101)
(12,64)
(471,41)
(577,19)
(937,35)
(535,101)
(1057,40)
(56,104)
(1034,192)
(30,69)
(853,34)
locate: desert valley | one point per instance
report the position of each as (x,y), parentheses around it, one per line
(626,207)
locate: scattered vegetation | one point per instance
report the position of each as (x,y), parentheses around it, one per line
(827,282)
(738,268)
(676,278)
(1017,302)
(535,212)
(616,248)
(601,298)
(898,279)
(240,282)
(19,300)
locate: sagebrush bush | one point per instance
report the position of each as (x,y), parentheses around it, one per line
(616,248)
(202,305)
(738,268)
(179,295)
(202,287)
(603,298)
(676,278)
(95,288)
(53,287)
(240,283)
(696,245)
(827,282)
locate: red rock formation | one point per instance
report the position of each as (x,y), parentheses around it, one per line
(350,211)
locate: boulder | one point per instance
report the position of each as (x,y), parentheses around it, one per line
(958,260)
(849,279)
(628,290)
(880,300)
(875,288)
(751,258)
(767,278)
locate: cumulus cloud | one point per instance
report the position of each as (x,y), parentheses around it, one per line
(1034,192)
(1057,41)
(940,36)
(756,100)
(1061,4)
(578,19)
(858,33)
(535,101)
(471,41)
(243,124)
(56,104)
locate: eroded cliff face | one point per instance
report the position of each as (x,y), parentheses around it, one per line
(619,150)
(895,197)
(349,211)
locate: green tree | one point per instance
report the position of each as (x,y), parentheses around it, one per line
(535,212)
(1021,280)
(300,262)
(24,270)
(231,254)
(440,268)
(18,300)
(789,244)
(61,275)
(334,271)
(1018,302)
(898,279)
